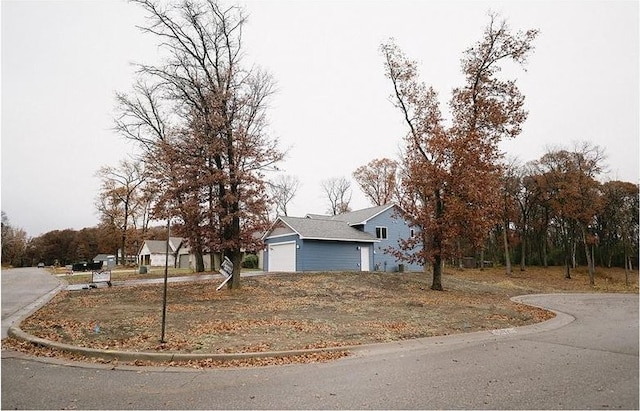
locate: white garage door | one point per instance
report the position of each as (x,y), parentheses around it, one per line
(282,257)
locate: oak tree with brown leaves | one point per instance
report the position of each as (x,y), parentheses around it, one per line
(200,117)
(568,180)
(377,180)
(617,223)
(451,176)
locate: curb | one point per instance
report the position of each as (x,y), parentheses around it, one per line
(109,355)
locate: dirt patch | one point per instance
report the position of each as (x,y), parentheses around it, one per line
(300,311)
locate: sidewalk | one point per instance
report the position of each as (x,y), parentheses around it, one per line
(182,279)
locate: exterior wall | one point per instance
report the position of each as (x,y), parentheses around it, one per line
(315,255)
(322,255)
(397,228)
(158,260)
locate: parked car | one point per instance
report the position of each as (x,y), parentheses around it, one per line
(40,265)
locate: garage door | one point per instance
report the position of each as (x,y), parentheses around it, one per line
(282,257)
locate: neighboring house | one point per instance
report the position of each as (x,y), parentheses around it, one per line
(354,241)
(153,253)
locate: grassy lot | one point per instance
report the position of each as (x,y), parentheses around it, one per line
(297,311)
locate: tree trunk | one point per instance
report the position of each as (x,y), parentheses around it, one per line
(199,261)
(567,264)
(544,250)
(236,258)
(482,260)
(123,240)
(589,258)
(198,254)
(437,273)
(627,266)
(437,245)
(522,255)
(507,257)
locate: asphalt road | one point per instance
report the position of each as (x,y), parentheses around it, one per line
(23,291)
(587,359)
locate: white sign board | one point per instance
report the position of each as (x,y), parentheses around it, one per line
(101,276)
(226,269)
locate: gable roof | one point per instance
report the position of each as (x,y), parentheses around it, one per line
(324,229)
(357,217)
(362,216)
(160,246)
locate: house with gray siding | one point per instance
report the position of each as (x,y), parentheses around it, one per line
(353,241)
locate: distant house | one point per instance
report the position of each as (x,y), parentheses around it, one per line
(354,241)
(154,252)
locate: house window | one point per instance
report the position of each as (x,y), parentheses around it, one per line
(381,233)
(412,233)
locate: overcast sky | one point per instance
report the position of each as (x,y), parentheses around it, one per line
(63,61)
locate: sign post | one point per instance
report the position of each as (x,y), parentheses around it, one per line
(226,269)
(166,271)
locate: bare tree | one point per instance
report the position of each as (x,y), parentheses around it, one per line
(338,191)
(282,190)
(120,197)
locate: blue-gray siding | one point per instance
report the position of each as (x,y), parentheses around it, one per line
(322,255)
(397,228)
(315,255)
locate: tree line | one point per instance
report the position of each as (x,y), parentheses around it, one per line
(68,246)
(551,212)
(206,160)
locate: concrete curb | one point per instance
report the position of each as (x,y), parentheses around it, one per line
(16,332)
(561,319)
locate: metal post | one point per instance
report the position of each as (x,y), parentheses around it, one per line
(166,270)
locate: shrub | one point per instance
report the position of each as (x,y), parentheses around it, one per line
(250,261)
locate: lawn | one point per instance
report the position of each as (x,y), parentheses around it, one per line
(301,311)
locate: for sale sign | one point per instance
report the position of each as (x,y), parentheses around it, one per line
(226,269)
(101,276)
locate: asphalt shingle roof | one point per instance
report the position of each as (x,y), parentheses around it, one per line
(362,216)
(354,217)
(325,229)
